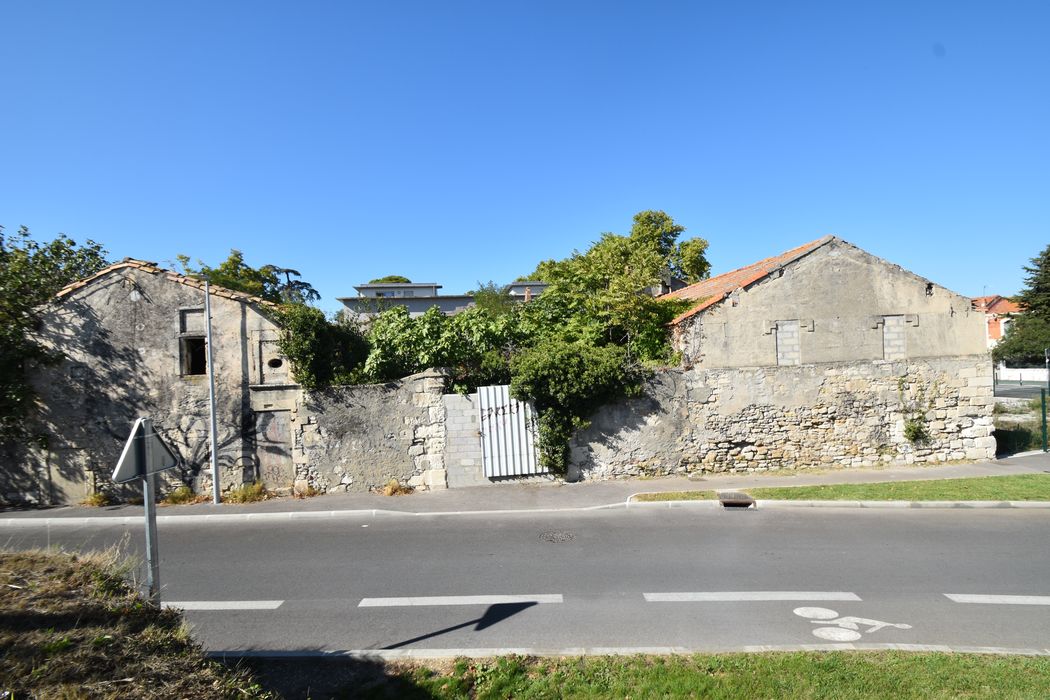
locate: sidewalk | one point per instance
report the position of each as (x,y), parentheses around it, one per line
(540,496)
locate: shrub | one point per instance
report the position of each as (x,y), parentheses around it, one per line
(98,499)
(915,431)
(396,488)
(567,382)
(183,495)
(248,493)
(322,352)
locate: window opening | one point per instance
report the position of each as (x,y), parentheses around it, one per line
(194,356)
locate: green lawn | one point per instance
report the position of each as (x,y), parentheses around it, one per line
(1021,487)
(836,675)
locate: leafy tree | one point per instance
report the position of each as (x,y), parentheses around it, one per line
(293,291)
(391,279)
(31,273)
(690,261)
(492,297)
(322,351)
(599,295)
(264,282)
(1029,334)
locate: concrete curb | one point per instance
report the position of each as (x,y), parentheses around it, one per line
(136,520)
(482,653)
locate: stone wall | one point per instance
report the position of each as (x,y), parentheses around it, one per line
(828,415)
(357,438)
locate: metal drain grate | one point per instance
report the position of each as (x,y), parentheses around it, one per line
(735,499)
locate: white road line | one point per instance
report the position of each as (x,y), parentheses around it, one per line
(224,604)
(746,596)
(999,599)
(458,600)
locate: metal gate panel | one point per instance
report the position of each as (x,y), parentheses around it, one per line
(508,434)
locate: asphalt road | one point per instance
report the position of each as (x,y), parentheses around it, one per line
(1014,390)
(625,579)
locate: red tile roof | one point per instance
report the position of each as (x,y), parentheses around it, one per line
(151,268)
(711,291)
(995,304)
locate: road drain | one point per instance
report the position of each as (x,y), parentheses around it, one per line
(735,499)
(557,536)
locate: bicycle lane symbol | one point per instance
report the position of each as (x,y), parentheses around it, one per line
(843,629)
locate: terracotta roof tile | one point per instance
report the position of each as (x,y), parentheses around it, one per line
(151,268)
(711,291)
(995,304)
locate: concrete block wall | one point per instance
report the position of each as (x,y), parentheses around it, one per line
(463,441)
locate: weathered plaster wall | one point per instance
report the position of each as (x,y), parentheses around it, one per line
(121,336)
(357,438)
(839,414)
(838,293)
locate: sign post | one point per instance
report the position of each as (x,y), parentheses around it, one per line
(144,455)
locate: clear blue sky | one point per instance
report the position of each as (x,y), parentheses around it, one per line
(464,141)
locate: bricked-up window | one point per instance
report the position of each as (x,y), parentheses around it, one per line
(788,346)
(893,338)
(193,356)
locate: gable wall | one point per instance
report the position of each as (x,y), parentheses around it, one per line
(120,335)
(843,291)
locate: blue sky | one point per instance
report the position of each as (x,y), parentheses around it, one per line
(465,141)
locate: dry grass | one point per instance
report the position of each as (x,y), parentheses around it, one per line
(248,493)
(396,488)
(183,495)
(70,627)
(308,492)
(97,500)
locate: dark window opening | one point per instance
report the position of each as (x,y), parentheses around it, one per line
(194,356)
(929,289)
(275,363)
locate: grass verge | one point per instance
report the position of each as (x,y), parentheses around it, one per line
(676,496)
(838,675)
(1019,487)
(70,627)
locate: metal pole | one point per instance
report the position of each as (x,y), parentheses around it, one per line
(216,487)
(149,494)
(1042,400)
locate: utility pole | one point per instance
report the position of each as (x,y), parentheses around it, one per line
(216,487)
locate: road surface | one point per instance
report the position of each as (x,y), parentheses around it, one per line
(645,579)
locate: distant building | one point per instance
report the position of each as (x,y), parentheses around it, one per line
(419,297)
(999,312)
(527,290)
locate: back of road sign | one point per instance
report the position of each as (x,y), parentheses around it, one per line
(144,453)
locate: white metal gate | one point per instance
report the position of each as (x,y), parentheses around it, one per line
(508,433)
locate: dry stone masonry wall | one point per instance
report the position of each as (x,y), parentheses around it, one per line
(828,415)
(358,438)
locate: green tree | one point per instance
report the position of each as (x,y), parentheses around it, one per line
(391,279)
(1029,334)
(265,282)
(492,297)
(322,351)
(31,273)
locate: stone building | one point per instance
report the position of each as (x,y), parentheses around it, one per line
(822,356)
(133,340)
